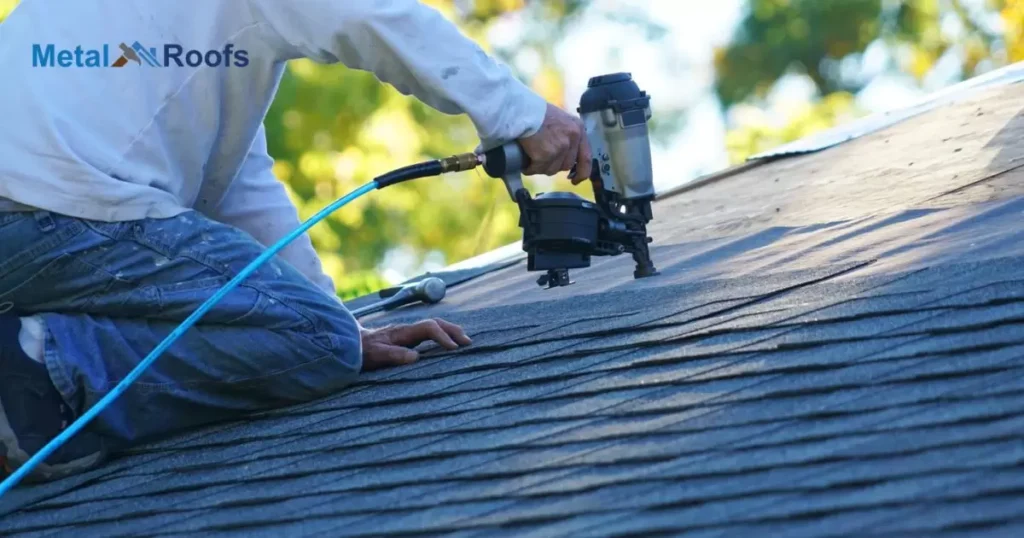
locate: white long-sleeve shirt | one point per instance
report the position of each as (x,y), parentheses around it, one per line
(159,136)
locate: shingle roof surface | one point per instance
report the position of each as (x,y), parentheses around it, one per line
(853,365)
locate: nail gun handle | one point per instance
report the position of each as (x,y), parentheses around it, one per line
(508,159)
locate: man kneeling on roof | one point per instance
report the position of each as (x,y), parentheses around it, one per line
(130,195)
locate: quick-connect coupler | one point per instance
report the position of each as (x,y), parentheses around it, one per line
(461,162)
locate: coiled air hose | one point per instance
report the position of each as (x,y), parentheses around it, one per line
(455,163)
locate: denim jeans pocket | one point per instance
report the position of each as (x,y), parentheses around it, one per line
(23,244)
(63,284)
(179,300)
(7,218)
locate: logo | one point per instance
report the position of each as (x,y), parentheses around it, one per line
(136,53)
(170,55)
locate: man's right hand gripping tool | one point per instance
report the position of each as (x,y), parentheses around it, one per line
(562,230)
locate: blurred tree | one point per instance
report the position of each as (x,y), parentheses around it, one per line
(756,134)
(827,41)
(1013,17)
(814,37)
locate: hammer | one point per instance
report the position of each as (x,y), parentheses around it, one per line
(129,54)
(429,290)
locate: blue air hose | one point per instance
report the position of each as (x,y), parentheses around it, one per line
(429,168)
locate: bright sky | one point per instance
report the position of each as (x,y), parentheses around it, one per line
(676,72)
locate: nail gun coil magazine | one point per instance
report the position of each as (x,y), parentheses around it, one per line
(560,230)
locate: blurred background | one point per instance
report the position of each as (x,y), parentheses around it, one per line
(728,78)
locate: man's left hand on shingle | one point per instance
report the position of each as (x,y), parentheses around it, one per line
(392,346)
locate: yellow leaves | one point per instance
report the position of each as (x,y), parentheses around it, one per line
(332,263)
(347,165)
(6,7)
(548,84)
(401,200)
(928,8)
(743,142)
(756,132)
(440,5)
(505,217)
(305,69)
(316,165)
(283,170)
(322,236)
(351,215)
(974,51)
(498,6)
(393,130)
(325,190)
(486,9)
(1013,19)
(357,284)
(920,62)
(292,119)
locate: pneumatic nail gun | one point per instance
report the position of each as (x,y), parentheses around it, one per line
(562,230)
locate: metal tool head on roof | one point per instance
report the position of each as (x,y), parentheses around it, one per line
(562,230)
(430,290)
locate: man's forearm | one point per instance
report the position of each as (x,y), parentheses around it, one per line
(412,47)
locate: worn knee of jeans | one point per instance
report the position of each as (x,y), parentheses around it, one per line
(338,335)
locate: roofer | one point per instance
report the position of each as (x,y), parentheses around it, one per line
(135,183)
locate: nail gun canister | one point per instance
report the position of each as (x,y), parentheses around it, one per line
(561,231)
(564,221)
(615,113)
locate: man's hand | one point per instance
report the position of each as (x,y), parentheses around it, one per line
(560,144)
(391,346)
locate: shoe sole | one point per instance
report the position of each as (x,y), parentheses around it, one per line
(44,472)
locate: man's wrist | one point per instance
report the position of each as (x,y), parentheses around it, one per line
(521,115)
(535,109)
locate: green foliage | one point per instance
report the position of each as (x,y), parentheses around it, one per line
(360,283)
(754,134)
(811,36)
(1013,17)
(779,33)
(814,37)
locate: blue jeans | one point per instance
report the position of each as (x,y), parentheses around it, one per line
(109,293)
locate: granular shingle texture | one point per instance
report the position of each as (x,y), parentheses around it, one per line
(857,376)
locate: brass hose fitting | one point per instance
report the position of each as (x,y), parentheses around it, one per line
(460,162)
